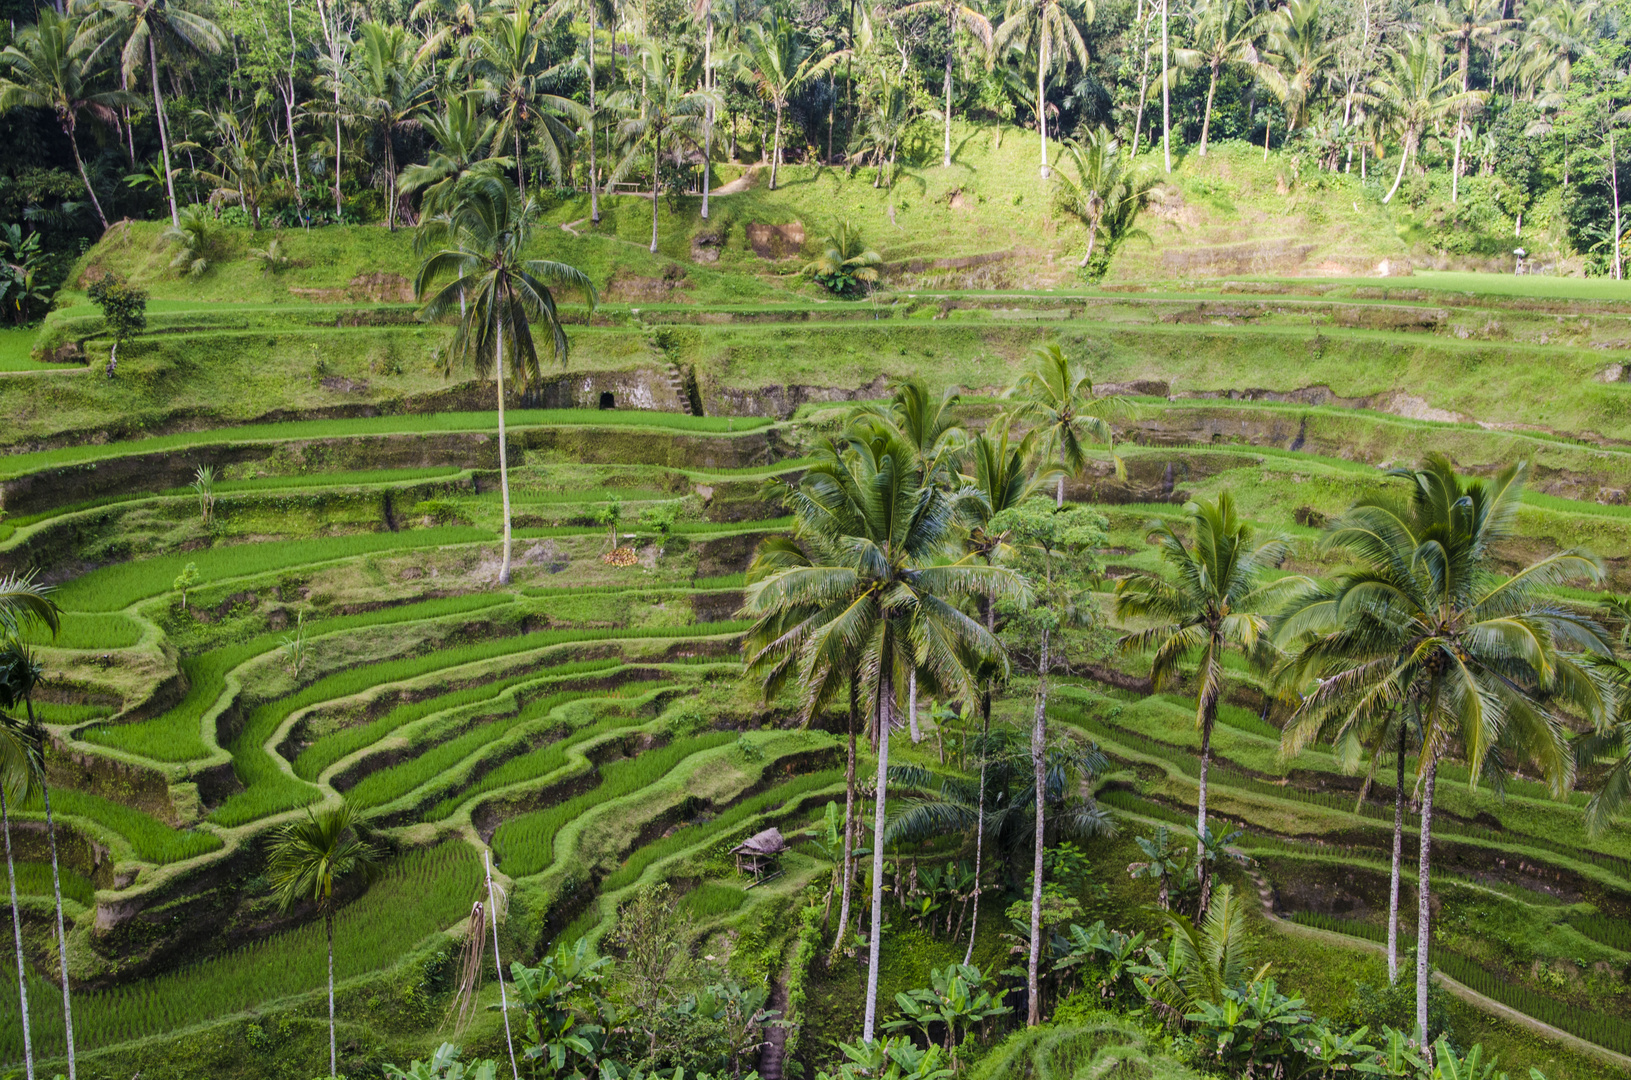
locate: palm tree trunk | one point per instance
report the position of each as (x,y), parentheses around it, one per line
(1209,716)
(1143,87)
(911,710)
(1166,91)
(1039,767)
(1404,156)
(1455,168)
(849,828)
(1059,493)
(1614,184)
(17,934)
(776,148)
(56,891)
(68,130)
(886,693)
(1429,782)
(520,173)
(708,119)
(1268,127)
(390,181)
(164,133)
(1042,113)
(1398,850)
(594,186)
(503,455)
(503,996)
(950,49)
(328,926)
(1206,118)
(979,815)
(656,159)
(1092,234)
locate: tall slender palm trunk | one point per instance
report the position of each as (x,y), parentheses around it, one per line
(979,817)
(776,147)
(1206,119)
(1404,158)
(17,935)
(503,456)
(849,825)
(656,159)
(62,934)
(886,695)
(1429,781)
(328,927)
(164,128)
(950,50)
(1042,111)
(503,995)
(68,130)
(1393,884)
(1208,718)
(1039,766)
(1166,90)
(708,119)
(594,181)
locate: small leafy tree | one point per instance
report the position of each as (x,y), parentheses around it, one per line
(661,519)
(956,999)
(610,515)
(124,312)
(445,1065)
(187,579)
(651,936)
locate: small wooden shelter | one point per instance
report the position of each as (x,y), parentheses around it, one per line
(761,855)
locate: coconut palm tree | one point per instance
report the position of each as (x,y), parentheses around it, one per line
(845,261)
(603,9)
(782,60)
(1048,30)
(1225,32)
(1214,604)
(1419,93)
(22,603)
(20,674)
(462,139)
(1058,399)
(1296,54)
(385,85)
(958,16)
(144,27)
(497,291)
(1462,23)
(45,71)
(866,588)
(664,115)
(506,60)
(1107,191)
(309,857)
(888,115)
(1429,623)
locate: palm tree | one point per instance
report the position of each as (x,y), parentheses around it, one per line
(506,57)
(1213,606)
(664,113)
(1464,22)
(1107,191)
(845,260)
(20,674)
(386,84)
(864,589)
(1047,29)
(308,859)
(888,115)
(958,16)
(1226,32)
(47,72)
(22,603)
(1059,399)
(591,8)
(782,61)
(462,138)
(1429,623)
(145,25)
(498,292)
(1420,93)
(1298,52)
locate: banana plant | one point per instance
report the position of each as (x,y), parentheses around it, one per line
(444,1064)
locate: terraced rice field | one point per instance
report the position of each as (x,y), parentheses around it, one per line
(345,634)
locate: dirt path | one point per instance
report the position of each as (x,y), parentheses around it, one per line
(774,1048)
(1460,990)
(741,183)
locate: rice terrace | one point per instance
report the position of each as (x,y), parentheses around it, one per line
(1008,539)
